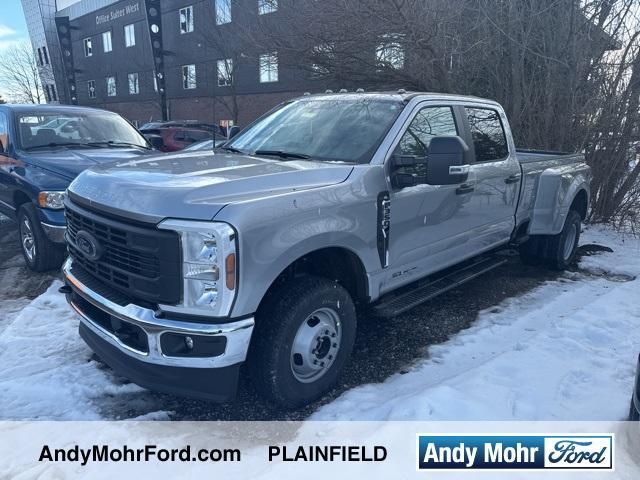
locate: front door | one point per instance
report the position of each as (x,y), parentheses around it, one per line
(427,222)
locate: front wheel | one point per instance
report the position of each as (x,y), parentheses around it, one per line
(40,253)
(303,338)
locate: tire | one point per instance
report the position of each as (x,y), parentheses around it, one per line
(290,336)
(561,248)
(40,253)
(634,415)
(555,251)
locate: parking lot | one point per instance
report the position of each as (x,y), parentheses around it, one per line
(383,347)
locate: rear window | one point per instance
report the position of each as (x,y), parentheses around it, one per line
(489,139)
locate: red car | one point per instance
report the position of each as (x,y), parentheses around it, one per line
(177,138)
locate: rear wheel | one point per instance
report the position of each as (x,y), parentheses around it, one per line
(303,338)
(555,251)
(40,253)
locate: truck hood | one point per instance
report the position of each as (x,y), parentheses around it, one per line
(68,162)
(196,185)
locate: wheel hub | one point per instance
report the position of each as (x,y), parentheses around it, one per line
(316,345)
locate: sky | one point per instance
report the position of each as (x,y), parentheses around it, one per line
(12,25)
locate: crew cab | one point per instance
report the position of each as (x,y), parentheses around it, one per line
(42,149)
(182,268)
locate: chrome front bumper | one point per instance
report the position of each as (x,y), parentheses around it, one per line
(238,334)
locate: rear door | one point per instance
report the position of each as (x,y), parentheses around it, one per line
(494,177)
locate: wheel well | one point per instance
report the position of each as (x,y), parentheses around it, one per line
(580,204)
(20,198)
(334,263)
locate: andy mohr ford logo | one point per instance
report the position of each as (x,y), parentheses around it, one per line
(515,452)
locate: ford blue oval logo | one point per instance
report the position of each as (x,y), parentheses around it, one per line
(88,245)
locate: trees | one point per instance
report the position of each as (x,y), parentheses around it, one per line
(2,100)
(566,71)
(19,74)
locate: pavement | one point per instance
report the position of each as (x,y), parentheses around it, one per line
(383,347)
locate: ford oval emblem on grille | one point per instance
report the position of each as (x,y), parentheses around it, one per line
(88,245)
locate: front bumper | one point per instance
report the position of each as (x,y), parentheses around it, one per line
(53,223)
(135,342)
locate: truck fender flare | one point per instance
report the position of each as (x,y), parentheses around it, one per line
(557,189)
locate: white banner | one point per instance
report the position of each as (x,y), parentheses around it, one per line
(307,450)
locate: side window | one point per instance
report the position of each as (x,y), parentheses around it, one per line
(4,133)
(428,123)
(488,136)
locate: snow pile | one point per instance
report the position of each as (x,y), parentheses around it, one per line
(566,351)
(46,370)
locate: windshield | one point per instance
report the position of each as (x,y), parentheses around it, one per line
(341,129)
(87,129)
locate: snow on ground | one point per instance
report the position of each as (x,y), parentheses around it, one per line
(46,371)
(565,351)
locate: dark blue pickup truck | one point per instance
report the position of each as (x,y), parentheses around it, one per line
(42,149)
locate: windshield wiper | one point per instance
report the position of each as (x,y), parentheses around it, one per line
(281,154)
(230,149)
(55,145)
(115,144)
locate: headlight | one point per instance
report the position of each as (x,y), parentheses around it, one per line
(208,267)
(53,200)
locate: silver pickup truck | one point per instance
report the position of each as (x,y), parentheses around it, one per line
(185,266)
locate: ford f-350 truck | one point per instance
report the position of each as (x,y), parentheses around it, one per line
(184,267)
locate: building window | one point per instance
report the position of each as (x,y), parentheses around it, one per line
(40,57)
(269,67)
(390,52)
(223,11)
(129,35)
(91,88)
(188,77)
(134,86)
(267,6)
(46,93)
(45,55)
(54,95)
(88,49)
(111,87)
(186,19)
(106,42)
(225,72)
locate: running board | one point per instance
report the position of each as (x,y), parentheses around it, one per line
(395,303)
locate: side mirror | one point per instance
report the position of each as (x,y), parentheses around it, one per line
(233,131)
(155,141)
(446,164)
(408,170)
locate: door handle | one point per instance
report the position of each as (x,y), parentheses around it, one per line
(512,179)
(464,189)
